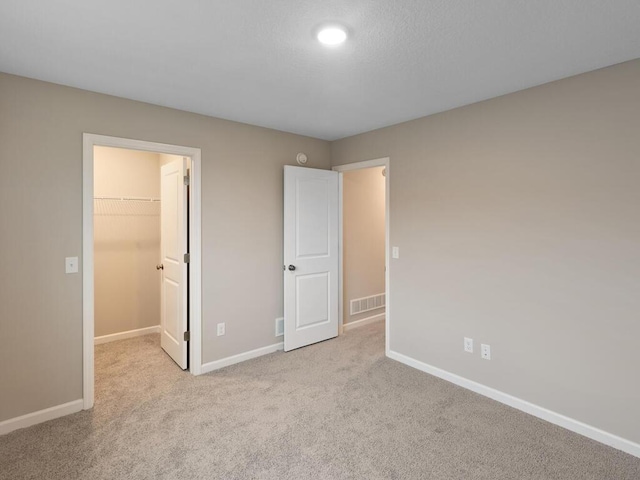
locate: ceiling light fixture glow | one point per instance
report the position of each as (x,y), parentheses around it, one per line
(333,35)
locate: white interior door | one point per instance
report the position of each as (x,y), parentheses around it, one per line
(310,255)
(173,231)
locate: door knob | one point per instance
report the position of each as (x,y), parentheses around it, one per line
(160,267)
(292,268)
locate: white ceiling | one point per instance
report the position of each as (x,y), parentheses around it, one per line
(256,61)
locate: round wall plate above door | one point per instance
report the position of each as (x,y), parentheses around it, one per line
(301,158)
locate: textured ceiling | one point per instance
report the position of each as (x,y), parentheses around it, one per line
(256,61)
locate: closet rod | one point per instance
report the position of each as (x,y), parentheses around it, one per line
(137,199)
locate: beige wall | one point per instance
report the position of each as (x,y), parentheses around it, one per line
(41,128)
(166,158)
(518,222)
(363,237)
(126,240)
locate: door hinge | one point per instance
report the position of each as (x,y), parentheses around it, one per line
(187,336)
(187,258)
(187,180)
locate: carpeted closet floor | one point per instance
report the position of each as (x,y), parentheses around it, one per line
(335,410)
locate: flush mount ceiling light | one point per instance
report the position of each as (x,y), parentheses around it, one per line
(332,35)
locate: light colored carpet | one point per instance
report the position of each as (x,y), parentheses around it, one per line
(335,410)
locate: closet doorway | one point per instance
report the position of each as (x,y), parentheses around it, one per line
(364,247)
(141,249)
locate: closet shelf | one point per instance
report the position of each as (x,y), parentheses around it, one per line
(124,199)
(126,207)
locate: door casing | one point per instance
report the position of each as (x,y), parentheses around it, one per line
(91,140)
(379,162)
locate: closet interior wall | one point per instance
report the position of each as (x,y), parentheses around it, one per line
(363,244)
(126,240)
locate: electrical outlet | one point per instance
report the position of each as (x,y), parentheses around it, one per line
(279,327)
(221,329)
(485,351)
(468,345)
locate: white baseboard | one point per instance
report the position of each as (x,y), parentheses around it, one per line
(365,321)
(114,337)
(522,405)
(40,416)
(241,357)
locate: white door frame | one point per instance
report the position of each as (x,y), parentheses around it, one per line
(378,162)
(89,141)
